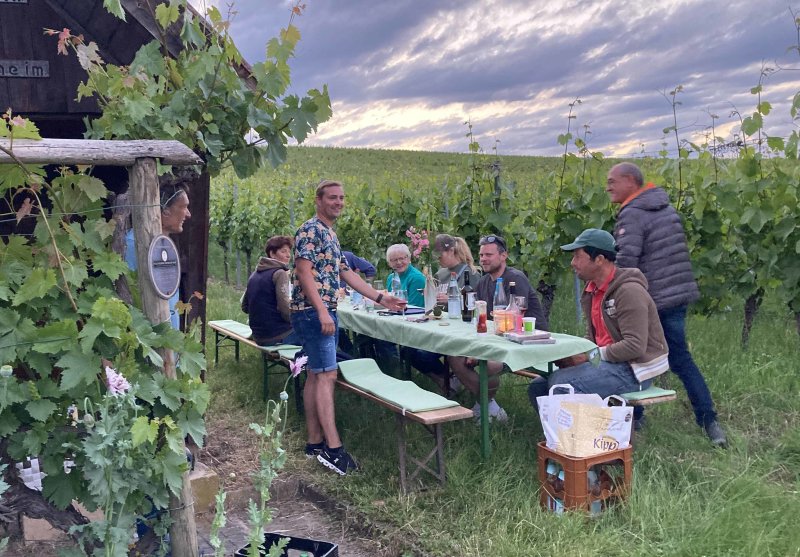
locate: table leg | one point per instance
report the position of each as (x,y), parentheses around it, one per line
(483,377)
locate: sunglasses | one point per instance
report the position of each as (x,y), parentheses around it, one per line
(492,239)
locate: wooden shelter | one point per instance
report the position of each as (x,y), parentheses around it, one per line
(38,83)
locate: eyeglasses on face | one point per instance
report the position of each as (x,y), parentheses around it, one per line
(492,239)
(398,259)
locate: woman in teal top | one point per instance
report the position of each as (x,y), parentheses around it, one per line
(411,279)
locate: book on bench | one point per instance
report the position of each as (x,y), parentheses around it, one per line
(536,337)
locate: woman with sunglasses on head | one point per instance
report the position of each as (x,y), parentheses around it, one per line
(454,257)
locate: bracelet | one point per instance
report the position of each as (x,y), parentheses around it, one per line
(379,298)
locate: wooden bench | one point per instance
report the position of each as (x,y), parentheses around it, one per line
(431,420)
(228,332)
(649,396)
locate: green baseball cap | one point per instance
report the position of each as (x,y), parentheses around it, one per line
(595,238)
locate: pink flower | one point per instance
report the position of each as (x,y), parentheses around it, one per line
(117,384)
(298,365)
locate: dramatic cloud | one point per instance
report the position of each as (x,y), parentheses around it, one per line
(408,73)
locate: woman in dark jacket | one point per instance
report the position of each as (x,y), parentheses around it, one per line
(266,299)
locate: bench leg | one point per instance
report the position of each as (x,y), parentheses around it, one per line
(440,453)
(421,464)
(216,348)
(401,449)
(265,363)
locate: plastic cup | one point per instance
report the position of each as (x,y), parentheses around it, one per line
(529,324)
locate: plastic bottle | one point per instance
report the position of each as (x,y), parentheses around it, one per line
(453,298)
(369,304)
(500,301)
(396,284)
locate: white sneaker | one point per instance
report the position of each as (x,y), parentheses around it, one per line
(497,412)
(455,384)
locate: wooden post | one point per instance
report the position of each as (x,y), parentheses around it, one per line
(146,226)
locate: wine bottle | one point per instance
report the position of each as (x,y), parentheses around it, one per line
(467,299)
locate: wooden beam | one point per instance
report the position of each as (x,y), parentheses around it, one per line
(110,152)
(146,226)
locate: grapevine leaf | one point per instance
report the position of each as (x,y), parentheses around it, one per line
(144,430)
(115,8)
(167,14)
(34,439)
(15,331)
(78,368)
(172,466)
(174,439)
(38,284)
(8,423)
(61,489)
(170,394)
(55,337)
(110,264)
(24,129)
(91,187)
(776,143)
(10,393)
(752,124)
(191,32)
(88,55)
(764,107)
(192,424)
(40,410)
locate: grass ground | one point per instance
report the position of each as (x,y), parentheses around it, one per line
(688,498)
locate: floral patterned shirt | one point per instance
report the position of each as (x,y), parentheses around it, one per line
(317,242)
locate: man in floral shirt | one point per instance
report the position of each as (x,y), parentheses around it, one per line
(319,265)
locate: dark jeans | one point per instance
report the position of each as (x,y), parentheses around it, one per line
(426,362)
(673,321)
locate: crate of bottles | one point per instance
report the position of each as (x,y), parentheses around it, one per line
(590,483)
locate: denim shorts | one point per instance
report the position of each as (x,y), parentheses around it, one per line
(321,349)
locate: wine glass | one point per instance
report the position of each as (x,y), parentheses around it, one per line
(402,294)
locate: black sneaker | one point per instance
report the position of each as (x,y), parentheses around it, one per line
(715,433)
(313,450)
(340,461)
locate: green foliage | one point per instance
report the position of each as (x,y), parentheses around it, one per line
(119,449)
(196,95)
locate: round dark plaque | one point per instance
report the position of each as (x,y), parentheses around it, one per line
(164,266)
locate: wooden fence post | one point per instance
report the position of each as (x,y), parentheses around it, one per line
(146,226)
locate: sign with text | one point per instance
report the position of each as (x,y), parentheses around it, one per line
(24,68)
(164,267)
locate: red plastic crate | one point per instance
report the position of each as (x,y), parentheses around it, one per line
(575,492)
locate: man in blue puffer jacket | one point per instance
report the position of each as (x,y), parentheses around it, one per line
(650,236)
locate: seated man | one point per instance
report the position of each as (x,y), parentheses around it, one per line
(493,256)
(621,318)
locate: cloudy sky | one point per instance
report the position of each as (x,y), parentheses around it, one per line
(407,74)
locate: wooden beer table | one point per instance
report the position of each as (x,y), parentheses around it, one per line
(460,339)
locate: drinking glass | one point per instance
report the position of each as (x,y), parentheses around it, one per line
(403,295)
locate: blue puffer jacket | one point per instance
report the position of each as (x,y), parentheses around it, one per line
(650,236)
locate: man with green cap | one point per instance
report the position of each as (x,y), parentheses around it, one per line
(621,318)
